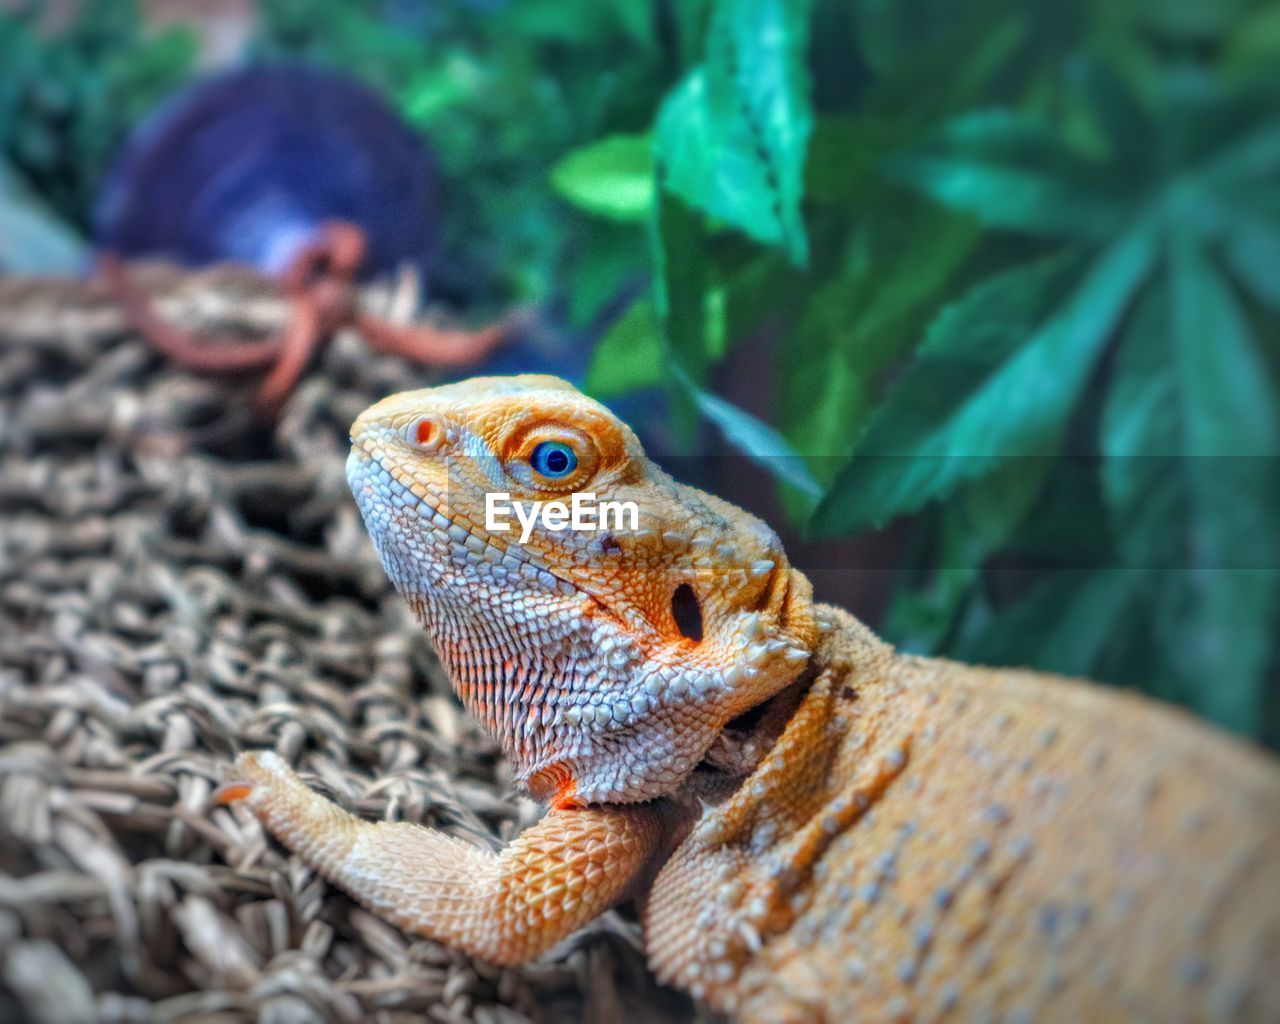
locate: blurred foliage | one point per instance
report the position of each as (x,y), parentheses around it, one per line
(68,98)
(1016,264)
(503,91)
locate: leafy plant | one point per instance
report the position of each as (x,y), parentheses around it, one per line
(1058,362)
(1185,418)
(69,97)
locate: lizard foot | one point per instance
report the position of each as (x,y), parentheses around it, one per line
(253,771)
(506,907)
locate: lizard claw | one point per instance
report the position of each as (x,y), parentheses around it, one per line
(252,770)
(231,791)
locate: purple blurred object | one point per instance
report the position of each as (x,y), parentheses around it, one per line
(245,166)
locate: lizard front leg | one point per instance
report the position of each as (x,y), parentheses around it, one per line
(506,907)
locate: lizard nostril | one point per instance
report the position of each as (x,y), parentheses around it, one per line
(687,612)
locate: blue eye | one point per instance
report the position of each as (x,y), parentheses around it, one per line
(554,459)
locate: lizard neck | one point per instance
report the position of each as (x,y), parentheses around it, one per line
(843,649)
(824,769)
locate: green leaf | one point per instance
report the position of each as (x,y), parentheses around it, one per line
(853,325)
(580,23)
(981,519)
(1252,251)
(608,265)
(1010,172)
(629,356)
(996,377)
(680,299)
(754,438)
(843,166)
(822,395)
(1255,157)
(919,620)
(440,87)
(1255,39)
(1064,624)
(638,18)
(689,22)
(732,136)
(612,177)
(1192,481)
(1125,127)
(891,31)
(991,508)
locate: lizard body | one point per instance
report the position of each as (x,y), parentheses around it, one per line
(815,826)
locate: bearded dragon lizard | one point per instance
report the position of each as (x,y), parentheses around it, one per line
(815,826)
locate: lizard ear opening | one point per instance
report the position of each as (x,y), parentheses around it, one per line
(687,613)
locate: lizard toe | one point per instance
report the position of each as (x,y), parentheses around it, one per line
(252,770)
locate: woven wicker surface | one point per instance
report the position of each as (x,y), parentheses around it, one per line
(179,581)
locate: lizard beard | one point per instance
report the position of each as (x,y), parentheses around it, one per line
(576,708)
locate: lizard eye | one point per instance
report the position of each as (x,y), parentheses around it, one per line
(423,433)
(553,459)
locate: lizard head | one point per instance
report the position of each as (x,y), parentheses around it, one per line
(606,655)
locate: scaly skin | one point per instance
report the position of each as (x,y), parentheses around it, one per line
(817,828)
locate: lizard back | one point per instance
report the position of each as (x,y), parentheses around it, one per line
(928,837)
